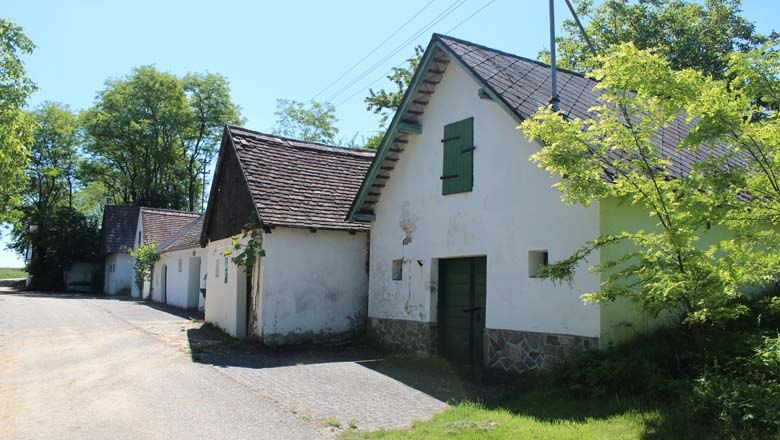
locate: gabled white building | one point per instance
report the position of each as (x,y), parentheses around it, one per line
(158,226)
(127,227)
(461,219)
(179,275)
(312,283)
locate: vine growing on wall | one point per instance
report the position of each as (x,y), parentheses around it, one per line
(252,249)
(144,259)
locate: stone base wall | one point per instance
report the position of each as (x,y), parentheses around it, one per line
(404,335)
(516,351)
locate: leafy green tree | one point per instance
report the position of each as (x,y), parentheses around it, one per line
(151,135)
(54,160)
(15,125)
(313,123)
(58,237)
(210,108)
(615,154)
(690,34)
(384,102)
(57,233)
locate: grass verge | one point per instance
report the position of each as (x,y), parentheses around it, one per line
(12,272)
(548,414)
(667,385)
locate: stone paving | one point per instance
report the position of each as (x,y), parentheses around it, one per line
(320,384)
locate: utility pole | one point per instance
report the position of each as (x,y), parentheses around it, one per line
(203,188)
(553,69)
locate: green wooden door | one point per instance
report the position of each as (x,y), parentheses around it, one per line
(462,293)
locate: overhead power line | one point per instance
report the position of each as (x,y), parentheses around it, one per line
(373,50)
(469,17)
(449,10)
(362,89)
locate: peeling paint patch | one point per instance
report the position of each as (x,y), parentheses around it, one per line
(408,223)
(333,295)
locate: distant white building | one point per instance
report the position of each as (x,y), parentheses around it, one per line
(158,226)
(128,227)
(116,240)
(179,275)
(312,283)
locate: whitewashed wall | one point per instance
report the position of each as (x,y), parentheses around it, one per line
(121,279)
(314,284)
(309,284)
(512,209)
(225,298)
(179,283)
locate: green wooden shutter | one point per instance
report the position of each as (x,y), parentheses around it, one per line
(458,169)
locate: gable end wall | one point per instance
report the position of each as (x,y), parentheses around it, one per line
(512,209)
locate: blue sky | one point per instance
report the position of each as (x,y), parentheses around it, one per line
(267,49)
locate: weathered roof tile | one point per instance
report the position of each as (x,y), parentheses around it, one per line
(159,225)
(186,238)
(118,230)
(301,184)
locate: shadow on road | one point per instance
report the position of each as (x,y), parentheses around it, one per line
(431,375)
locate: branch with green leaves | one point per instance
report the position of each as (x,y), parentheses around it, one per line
(252,249)
(680,264)
(144,258)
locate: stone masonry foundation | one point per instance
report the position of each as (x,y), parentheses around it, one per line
(404,335)
(516,351)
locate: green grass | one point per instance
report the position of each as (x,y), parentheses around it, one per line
(12,272)
(538,414)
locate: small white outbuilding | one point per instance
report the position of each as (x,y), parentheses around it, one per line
(312,283)
(179,275)
(157,226)
(116,239)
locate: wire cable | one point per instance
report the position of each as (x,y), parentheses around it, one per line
(362,89)
(450,9)
(373,51)
(470,16)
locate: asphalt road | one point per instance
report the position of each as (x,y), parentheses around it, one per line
(91,368)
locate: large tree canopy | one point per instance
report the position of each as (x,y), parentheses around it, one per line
(152,135)
(615,153)
(689,34)
(57,233)
(54,157)
(15,124)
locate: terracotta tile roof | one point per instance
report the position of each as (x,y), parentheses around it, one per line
(523,85)
(161,224)
(118,229)
(186,238)
(300,184)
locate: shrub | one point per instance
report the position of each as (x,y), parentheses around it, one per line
(651,367)
(743,395)
(144,259)
(58,238)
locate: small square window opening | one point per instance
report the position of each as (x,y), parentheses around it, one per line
(536,259)
(398,269)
